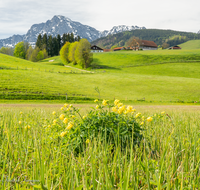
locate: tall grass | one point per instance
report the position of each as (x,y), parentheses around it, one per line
(168,157)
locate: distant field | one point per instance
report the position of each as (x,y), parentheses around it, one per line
(190,45)
(153,76)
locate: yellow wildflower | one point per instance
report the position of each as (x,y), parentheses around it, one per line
(72,116)
(65,105)
(84,117)
(163,112)
(129,108)
(116,102)
(105,102)
(143,118)
(87,141)
(119,105)
(63,133)
(28,126)
(137,115)
(96,100)
(70,105)
(62,116)
(134,110)
(65,121)
(21,112)
(61,108)
(121,109)
(97,107)
(155,115)
(142,123)
(20,122)
(54,121)
(114,109)
(149,119)
(49,126)
(53,112)
(70,125)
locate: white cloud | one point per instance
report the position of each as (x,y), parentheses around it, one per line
(17,16)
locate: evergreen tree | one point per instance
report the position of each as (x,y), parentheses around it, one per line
(71,37)
(55,46)
(44,41)
(50,46)
(59,42)
(39,41)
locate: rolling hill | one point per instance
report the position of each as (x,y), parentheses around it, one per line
(145,75)
(192,44)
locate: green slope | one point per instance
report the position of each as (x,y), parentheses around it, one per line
(154,75)
(190,45)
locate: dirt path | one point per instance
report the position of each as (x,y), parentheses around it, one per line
(79,69)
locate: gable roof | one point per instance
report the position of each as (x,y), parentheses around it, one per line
(94,47)
(148,43)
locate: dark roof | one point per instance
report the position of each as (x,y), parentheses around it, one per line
(148,43)
(94,47)
(118,48)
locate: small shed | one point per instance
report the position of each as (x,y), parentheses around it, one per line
(175,47)
(95,48)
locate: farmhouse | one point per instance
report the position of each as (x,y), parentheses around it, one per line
(175,47)
(95,48)
(148,45)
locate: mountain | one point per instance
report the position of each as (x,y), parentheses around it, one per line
(60,25)
(198,32)
(158,36)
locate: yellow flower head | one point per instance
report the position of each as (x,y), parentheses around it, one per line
(72,116)
(20,122)
(62,116)
(149,119)
(21,112)
(97,107)
(119,105)
(129,108)
(96,100)
(65,121)
(54,121)
(61,108)
(142,123)
(116,102)
(70,125)
(49,126)
(53,112)
(137,115)
(84,117)
(28,126)
(121,109)
(65,105)
(87,141)
(70,105)
(63,133)
(163,112)
(105,102)
(143,118)
(134,110)
(114,109)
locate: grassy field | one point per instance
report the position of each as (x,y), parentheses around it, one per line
(154,76)
(33,155)
(190,45)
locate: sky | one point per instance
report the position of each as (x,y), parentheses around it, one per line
(17,16)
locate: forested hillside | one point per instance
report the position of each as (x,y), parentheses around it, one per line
(158,36)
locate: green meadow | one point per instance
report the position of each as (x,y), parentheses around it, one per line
(153,76)
(190,45)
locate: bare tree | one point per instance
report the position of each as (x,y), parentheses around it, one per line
(134,42)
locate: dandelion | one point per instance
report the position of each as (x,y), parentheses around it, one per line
(61,108)
(20,122)
(70,125)
(87,141)
(114,109)
(63,133)
(65,105)
(105,102)
(53,112)
(97,107)
(65,121)
(62,116)
(116,101)
(149,119)
(96,100)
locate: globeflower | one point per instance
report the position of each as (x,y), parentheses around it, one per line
(20,122)
(105,102)
(96,100)
(72,116)
(53,112)
(149,119)
(62,116)
(142,123)
(97,107)
(163,112)
(119,105)
(121,109)
(65,105)
(63,133)
(65,121)
(21,112)
(137,115)
(114,109)
(54,121)
(129,108)
(116,102)
(70,125)
(61,108)
(84,117)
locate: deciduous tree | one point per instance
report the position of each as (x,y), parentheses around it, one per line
(64,52)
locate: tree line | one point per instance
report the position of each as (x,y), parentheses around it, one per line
(77,53)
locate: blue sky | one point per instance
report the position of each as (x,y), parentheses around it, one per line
(17,16)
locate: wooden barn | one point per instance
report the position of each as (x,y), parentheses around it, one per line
(175,47)
(148,45)
(95,48)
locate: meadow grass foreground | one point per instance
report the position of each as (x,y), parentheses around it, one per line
(109,147)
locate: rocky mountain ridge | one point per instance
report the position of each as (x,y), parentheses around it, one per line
(60,25)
